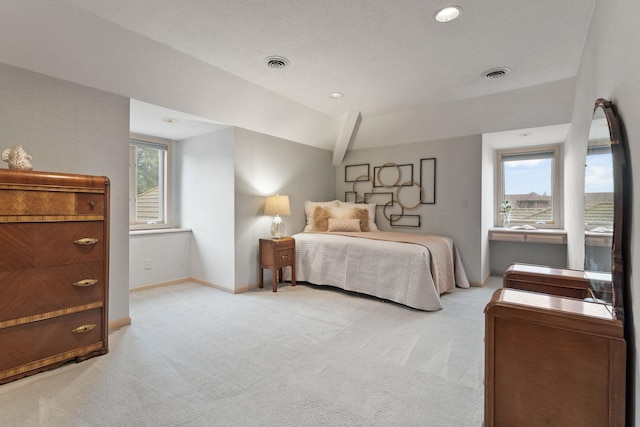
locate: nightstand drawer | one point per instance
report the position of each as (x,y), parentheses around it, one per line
(285,257)
(285,243)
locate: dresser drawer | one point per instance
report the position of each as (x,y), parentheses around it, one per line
(49,338)
(28,245)
(90,204)
(39,203)
(39,290)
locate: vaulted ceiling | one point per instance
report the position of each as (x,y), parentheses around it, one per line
(409,77)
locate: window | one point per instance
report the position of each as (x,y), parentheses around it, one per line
(148,184)
(530,180)
(598,189)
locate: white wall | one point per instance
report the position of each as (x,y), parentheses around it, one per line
(159,257)
(503,254)
(75,129)
(205,171)
(575,157)
(457,211)
(266,165)
(488,205)
(609,69)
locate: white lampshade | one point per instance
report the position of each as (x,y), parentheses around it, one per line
(277,205)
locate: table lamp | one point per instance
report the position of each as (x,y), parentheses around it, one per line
(277,205)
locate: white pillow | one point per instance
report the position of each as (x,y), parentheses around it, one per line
(371,207)
(310,207)
(350,224)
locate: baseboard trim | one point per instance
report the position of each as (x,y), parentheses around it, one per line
(189,279)
(213,285)
(239,290)
(119,323)
(161,284)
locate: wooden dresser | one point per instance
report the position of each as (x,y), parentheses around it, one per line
(54,264)
(553,361)
(559,281)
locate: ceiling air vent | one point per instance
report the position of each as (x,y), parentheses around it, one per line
(496,73)
(276,62)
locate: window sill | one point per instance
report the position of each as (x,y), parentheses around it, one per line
(604,240)
(158,231)
(557,237)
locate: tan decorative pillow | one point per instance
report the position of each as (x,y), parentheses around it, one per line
(370,207)
(361,215)
(351,224)
(321,219)
(309,210)
(322,215)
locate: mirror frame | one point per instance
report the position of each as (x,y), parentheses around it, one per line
(619,170)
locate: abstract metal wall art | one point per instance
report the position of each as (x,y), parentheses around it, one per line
(393,188)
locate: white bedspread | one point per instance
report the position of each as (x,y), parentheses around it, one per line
(395,271)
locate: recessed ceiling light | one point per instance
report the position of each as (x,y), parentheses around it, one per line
(496,73)
(170,120)
(448,14)
(336,95)
(276,62)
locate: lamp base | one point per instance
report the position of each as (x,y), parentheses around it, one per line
(277,228)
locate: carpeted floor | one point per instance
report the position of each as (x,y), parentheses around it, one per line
(305,356)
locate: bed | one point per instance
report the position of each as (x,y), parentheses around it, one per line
(407,268)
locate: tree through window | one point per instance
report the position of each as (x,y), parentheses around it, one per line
(148,163)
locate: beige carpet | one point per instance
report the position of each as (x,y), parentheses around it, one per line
(305,356)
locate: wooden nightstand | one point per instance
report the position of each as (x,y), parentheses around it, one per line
(275,254)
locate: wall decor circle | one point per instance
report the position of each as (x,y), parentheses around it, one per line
(409,184)
(384,210)
(362,178)
(389,165)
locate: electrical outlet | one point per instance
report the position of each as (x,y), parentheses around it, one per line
(147,264)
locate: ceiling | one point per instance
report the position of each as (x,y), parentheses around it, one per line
(153,120)
(392,63)
(542,135)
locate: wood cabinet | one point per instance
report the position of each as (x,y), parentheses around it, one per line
(559,281)
(275,254)
(54,264)
(552,360)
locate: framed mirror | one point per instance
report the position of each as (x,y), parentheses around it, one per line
(603,207)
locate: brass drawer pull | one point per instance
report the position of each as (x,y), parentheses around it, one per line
(84,328)
(284,256)
(85,282)
(86,241)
